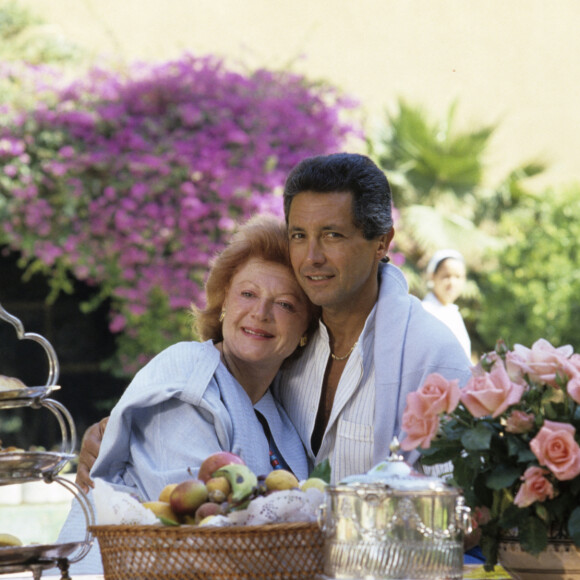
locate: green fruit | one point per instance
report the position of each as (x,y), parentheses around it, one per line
(315,482)
(242,479)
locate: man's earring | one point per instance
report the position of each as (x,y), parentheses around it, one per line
(303,341)
(222,315)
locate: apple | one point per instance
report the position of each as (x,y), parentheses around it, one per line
(188,496)
(216,460)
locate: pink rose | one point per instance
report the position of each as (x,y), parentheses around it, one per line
(574,360)
(513,365)
(556,448)
(573,373)
(573,387)
(520,422)
(535,487)
(543,362)
(490,393)
(439,395)
(420,425)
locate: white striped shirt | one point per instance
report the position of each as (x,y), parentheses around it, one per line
(349,437)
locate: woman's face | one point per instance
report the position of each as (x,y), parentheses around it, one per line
(266,313)
(449,280)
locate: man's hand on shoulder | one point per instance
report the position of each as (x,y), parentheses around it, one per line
(90,446)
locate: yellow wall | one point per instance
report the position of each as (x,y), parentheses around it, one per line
(514,62)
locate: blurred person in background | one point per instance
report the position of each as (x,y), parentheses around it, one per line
(447,274)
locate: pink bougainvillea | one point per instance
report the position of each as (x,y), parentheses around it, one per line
(133,180)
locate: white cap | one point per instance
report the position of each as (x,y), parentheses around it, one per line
(441,255)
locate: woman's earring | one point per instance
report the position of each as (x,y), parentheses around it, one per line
(222,315)
(303,341)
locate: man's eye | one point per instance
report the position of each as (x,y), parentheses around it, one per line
(297,236)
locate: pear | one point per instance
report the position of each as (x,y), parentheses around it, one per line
(218,489)
(166,492)
(280,480)
(163,511)
(314,482)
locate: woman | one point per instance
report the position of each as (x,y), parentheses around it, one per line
(447,275)
(197,398)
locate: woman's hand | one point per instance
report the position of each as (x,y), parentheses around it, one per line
(90,446)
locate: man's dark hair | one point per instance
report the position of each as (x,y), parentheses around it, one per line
(346,173)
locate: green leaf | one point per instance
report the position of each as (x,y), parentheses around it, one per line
(574,526)
(518,447)
(167,521)
(526,455)
(463,475)
(533,535)
(542,511)
(503,476)
(478,438)
(513,516)
(440,451)
(322,471)
(575,486)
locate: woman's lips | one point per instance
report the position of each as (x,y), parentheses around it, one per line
(257,332)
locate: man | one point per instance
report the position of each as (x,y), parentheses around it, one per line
(376,343)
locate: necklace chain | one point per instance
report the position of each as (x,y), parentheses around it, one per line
(346,355)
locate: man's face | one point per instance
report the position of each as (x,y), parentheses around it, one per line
(335,265)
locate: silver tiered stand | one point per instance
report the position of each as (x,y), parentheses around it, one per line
(23,466)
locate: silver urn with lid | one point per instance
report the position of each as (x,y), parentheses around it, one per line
(393,522)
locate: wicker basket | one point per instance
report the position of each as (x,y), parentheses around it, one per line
(292,551)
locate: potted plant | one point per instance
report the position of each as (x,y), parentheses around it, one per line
(512,437)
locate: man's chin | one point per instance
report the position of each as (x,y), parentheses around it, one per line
(315,296)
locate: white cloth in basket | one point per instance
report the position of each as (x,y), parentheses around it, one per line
(114,507)
(279,507)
